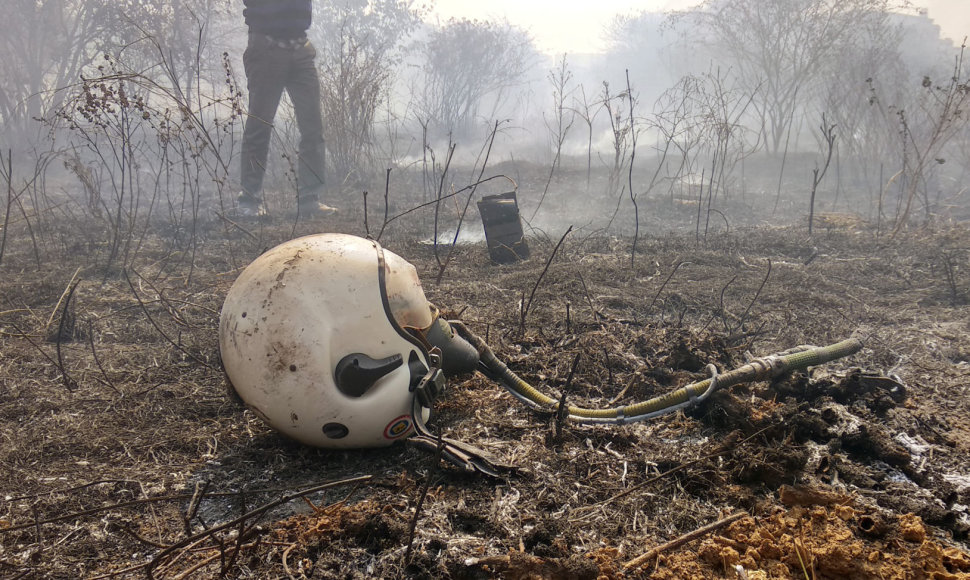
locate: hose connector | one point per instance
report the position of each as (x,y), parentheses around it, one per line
(457,355)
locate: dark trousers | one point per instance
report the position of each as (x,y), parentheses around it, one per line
(271,69)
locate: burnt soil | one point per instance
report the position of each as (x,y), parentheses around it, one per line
(123,455)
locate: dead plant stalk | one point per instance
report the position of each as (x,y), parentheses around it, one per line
(680,541)
(526,306)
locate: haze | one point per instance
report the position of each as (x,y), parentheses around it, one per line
(872,103)
(576,27)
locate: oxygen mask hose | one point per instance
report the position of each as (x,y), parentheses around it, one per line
(759,369)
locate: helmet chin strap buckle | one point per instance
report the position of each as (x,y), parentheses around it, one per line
(432,384)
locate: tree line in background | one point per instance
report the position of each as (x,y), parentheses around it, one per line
(703,90)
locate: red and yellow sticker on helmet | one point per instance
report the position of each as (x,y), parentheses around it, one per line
(398,427)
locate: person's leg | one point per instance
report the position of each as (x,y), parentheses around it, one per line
(265,66)
(303,86)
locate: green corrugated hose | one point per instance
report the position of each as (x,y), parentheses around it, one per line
(758,369)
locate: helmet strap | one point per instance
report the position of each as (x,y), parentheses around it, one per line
(467,457)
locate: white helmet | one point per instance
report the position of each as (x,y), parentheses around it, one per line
(322,337)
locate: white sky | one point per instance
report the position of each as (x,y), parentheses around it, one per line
(576,26)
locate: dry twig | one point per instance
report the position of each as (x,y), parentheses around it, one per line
(678,542)
(154,563)
(562,412)
(524,310)
(413,526)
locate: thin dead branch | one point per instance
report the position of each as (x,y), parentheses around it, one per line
(667,281)
(526,305)
(425,488)
(633,156)
(6,217)
(69,383)
(97,361)
(161,556)
(562,411)
(727,446)
(151,320)
(387,205)
(828,135)
(680,541)
(755,299)
(464,211)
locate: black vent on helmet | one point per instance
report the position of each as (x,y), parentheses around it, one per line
(335,430)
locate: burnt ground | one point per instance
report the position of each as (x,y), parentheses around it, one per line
(123,456)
